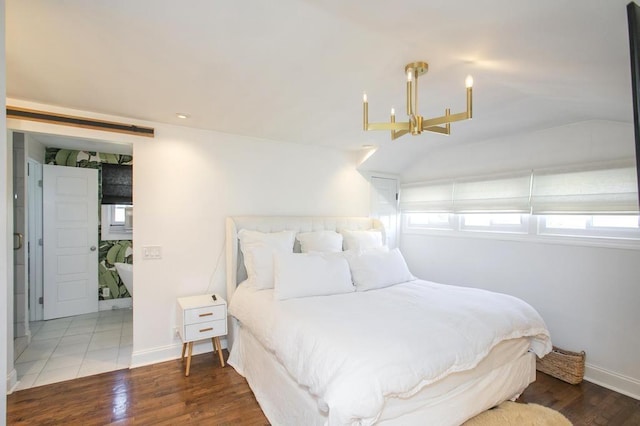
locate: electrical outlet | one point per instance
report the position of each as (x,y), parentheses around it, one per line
(105,291)
(176,332)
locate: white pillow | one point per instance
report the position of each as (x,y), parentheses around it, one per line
(320,241)
(360,240)
(258,249)
(304,275)
(377,269)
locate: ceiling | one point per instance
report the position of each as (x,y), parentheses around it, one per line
(295,70)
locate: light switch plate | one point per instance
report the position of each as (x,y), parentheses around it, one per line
(152,252)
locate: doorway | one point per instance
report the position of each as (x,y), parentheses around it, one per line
(384,206)
(78,345)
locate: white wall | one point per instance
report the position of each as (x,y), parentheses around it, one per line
(589,296)
(185,183)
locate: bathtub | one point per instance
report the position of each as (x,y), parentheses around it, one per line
(125,271)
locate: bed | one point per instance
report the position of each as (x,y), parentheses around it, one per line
(414,352)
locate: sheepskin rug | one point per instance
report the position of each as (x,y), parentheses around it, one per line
(513,413)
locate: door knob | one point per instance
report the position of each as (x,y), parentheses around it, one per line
(93,248)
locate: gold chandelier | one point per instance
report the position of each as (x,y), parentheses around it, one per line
(418,124)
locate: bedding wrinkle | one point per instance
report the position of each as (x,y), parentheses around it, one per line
(352,350)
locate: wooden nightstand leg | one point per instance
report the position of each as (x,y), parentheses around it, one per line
(219,350)
(189,360)
(184,348)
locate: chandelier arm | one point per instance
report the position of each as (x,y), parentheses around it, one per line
(444,119)
(446,130)
(437,129)
(395,134)
(365,115)
(388,126)
(415,93)
(409,112)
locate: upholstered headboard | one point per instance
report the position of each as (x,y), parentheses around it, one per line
(236,272)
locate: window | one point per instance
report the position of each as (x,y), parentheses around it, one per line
(612,227)
(597,201)
(495,222)
(117,214)
(430,221)
(603,226)
(116,222)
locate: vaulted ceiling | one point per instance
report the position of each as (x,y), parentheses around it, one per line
(295,70)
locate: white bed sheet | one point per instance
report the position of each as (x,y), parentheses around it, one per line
(448,402)
(355,351)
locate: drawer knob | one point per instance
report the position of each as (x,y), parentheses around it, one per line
(208,314)
(206,329)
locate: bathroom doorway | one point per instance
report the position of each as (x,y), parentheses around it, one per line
(100,339)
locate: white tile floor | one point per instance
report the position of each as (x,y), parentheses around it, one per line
(79,346)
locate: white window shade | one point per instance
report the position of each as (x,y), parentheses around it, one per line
(500,195)
(604,191)
(427,197)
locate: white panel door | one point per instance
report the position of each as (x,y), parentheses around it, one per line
(384,206)
(70,234)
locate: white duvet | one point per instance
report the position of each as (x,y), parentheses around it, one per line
(353,350)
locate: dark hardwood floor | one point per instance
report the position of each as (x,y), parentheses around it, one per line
(583,404)
(160,395)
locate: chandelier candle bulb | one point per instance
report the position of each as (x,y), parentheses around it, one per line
(393,112)
(468,82)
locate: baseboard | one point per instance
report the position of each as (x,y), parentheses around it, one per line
(12,381)
(170,352)
(614,381)
(109,304)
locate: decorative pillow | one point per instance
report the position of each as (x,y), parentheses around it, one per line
(258,249)
(304,275)
(360,240)
(320,241)
(377,269)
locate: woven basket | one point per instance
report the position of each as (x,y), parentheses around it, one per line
(564,365)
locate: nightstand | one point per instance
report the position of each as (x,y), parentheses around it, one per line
(201,317)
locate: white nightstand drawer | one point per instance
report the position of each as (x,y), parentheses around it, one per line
(207,313)
(205,330)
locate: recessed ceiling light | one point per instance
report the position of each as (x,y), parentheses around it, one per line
(182,115)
